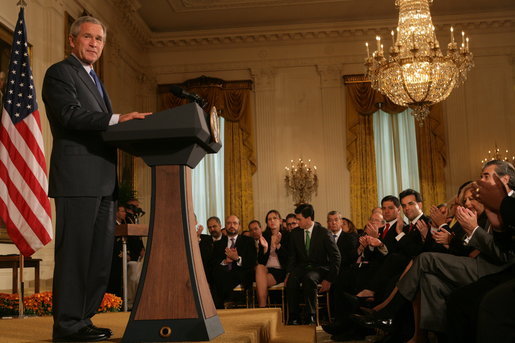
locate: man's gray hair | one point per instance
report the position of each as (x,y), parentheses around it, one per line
(332,213)
(503,168)
(75,27)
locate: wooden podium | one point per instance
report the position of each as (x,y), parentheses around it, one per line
(173,301)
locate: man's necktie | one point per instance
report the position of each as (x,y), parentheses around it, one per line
(410,227)
(335,236)
(308,241)
(97,82)
(385,231)
(230,265)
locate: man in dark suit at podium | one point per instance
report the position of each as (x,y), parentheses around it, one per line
(313,259)
(82,181)
(234,259)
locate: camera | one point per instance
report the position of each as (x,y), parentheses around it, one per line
(138,212)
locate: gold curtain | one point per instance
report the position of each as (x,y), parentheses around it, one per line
(432,158)
(232,100)
(361,102)
(361,163)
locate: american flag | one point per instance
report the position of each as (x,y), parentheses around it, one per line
(24,204)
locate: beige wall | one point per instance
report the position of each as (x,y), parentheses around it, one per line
(299,97)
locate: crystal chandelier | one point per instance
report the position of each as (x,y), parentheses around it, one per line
(497,154)
(301,181)
(417,74)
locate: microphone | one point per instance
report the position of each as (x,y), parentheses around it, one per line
(181,93)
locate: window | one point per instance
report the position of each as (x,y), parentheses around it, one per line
(208,184)
(395,145)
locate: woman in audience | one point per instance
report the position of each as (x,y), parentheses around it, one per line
(272,259)
(451,237)
(350,237)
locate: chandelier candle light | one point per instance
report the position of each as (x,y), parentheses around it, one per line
(416,74)
(497,154)
(301,181)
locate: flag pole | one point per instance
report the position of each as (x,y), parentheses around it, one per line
(21,285)
(21,290)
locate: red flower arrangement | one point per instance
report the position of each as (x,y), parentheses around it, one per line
(40,304)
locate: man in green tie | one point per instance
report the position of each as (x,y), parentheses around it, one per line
(314,259)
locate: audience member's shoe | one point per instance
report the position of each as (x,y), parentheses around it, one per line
(106,331)
(334,328)
(86,334)
(373,321)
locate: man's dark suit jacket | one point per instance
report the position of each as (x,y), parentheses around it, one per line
(507,212)
(348,245)
(246,249)
(81,163)
(412,243)
(323,252)
(389,240)
(206,245)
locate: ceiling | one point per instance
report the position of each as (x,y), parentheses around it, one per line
(190,15)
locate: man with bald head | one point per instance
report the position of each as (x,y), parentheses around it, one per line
(234,259)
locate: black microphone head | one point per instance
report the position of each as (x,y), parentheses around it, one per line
(177,91)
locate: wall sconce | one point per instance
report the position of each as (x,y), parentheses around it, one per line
(301,181)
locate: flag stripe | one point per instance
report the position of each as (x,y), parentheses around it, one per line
(13,233)
(13,156)
(23,237)
(22,214)
(27,134)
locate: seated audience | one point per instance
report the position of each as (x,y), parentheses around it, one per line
(234,259)
(272,257)
(433,276)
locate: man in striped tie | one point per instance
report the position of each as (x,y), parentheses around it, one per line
(82,181)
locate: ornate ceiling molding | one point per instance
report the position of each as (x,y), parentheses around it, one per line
(128,15)
(322,32)
(267,70)
(202,5)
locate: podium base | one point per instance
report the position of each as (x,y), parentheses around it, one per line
(176,330)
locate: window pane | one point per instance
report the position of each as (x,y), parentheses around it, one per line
(208,185)
(395,145)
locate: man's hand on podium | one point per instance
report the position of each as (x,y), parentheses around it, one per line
(133,115)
